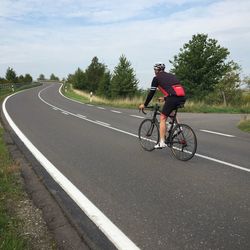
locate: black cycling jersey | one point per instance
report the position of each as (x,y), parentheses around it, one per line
(168,84)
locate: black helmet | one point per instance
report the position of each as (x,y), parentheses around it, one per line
(159,66)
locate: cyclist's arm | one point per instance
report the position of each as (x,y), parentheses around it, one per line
(151,93)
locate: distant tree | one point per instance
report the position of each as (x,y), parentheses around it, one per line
(3,80)
(21,79)
(53,77)
(246,81)
(123,82)
(200,65)
(104,87)
(78,79)
(28,78)
(11,76)
(94,74)
(228,86)
(41,77)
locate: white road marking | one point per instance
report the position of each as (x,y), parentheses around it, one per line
(103,123)
(65,113)
(217,133)
(199,155)
(81,116)
(115,111)
(114,234)
(55,108)
(90,105)
(101,108)
(223,162)
(118,238)
(137,116)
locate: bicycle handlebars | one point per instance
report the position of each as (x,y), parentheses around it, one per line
(155,108)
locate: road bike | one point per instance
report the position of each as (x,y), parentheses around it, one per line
(181,138)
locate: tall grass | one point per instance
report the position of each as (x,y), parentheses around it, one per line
(85,97)
(190,106)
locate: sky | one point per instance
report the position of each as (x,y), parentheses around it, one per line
(45,37)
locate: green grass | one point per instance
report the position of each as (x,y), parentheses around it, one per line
(8,91)
(10,193)
(244,125)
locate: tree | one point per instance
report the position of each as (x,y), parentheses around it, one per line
(200,65)
(3,80)
(41,77)
(104,85)
(53,77)
(228,86)
(21,79)
(11,76)
(94,74)
(123,82)
(28,78)
(78,79)
(246,81)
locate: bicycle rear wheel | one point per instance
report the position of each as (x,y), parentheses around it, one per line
(148,134)
(183,142)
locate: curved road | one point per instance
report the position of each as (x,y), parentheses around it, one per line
(157,201)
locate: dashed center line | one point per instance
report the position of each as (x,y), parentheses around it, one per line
(81,116)
(103,123)
(115,111)
(137,116)
(216,133)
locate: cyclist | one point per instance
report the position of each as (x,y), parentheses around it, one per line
(173,92)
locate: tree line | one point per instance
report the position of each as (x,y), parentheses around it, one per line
(12,77)
(98,79)
(202,66)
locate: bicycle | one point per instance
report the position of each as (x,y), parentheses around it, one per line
(181,138)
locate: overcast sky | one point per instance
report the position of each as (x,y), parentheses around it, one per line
(58,36)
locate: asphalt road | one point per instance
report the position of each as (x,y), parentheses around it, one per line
(157,201)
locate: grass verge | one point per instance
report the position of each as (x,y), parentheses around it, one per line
(190,106)
(20,222)
(244,125)
(10,195)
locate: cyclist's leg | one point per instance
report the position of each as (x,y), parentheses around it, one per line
(168,108)
(163,119)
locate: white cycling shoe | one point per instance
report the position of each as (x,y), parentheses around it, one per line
(160,145)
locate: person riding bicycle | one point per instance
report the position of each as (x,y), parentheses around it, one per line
(173,92)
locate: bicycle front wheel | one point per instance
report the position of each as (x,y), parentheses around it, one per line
(148,134)
(183,142)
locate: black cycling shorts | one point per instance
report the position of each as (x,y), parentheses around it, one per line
(171,102)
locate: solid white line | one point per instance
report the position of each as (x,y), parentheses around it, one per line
(65,113)
(55,108)
(217,133)
(115,111)
(115,235)
(137,116)
(223,162)
(90,105)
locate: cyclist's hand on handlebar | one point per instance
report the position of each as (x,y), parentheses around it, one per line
(141,107)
